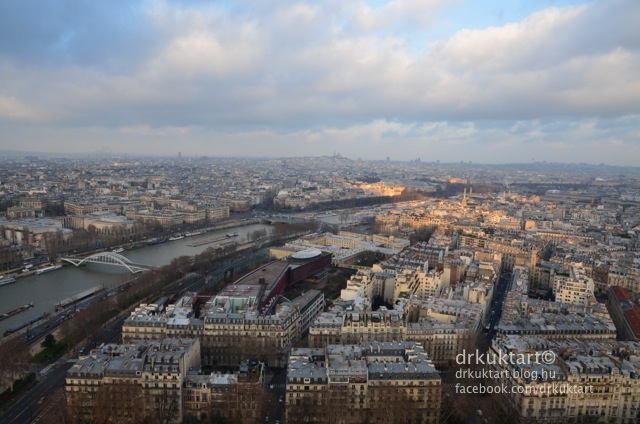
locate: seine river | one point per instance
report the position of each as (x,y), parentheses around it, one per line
(48,289)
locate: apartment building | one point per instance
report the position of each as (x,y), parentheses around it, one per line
(232,328)
(238,396)
(378,382)
(576,288)
(442,325)
(625,313)
(578,381)
(553,320)
(133,381)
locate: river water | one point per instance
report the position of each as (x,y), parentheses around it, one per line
(46,290)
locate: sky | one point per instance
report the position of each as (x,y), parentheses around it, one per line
(450,80)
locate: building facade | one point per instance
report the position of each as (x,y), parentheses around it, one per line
(377,382)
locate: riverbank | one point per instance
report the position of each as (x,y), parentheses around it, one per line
(47,289)
(19,272)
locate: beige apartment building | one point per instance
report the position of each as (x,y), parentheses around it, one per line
(377,382)
(442,326)
(577,288)
(627,278)
(231,330)
(575,382)
(79,207)
(216,213)
(239,396)
(100,222)
(132,382)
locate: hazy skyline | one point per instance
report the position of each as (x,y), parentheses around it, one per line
(449,80)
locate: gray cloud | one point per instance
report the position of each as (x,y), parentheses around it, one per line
(316,77)
(113,36)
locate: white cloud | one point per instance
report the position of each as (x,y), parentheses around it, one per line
(12,108)
(514,47)
(344,74)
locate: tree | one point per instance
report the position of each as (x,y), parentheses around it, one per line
(243,403)
(267,199)
(54,244)
(257,234)
(422,234)
(394,405)
(86,324)
(119,402)
(153,227)
(344,217)
(163,405)
(14,357)
(54,208)
(49,341)
(56,410)
(337,406)
(306,409)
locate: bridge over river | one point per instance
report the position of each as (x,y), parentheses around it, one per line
(109,258)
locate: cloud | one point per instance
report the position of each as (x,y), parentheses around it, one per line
(395,15)
(13,109)
(113,36)
(334,74)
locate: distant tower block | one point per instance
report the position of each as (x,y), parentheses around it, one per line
(464,198)
(179,155)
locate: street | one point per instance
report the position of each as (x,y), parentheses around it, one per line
(25,409)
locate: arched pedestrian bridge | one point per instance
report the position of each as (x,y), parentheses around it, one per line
(109,258)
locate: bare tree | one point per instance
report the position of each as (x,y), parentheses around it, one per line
(393,405)
(86,324)
(14,357)
(55,409)
(243,403)
(54,243)
(344,217)
(118,402)
(256,234)
(163,405)
(308,409)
